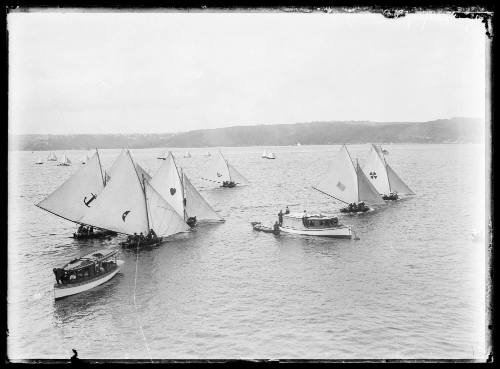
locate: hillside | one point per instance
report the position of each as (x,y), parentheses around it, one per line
(315,133)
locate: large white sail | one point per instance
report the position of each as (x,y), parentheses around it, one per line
(163,218)
(64,160)
(77,195)
(218,171)
(236,176)
(121,206)
(167,182)
(196,205)
(52,156)
(375,170)
(340,181)
(397,185)
(366,190)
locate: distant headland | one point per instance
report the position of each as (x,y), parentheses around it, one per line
(454,130)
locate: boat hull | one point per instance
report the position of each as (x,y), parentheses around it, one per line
(63,290)
(94,235)
(143,243)
(337,232)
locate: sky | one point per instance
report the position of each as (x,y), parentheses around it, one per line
(117,72)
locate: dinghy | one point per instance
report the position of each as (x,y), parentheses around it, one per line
(177,190)
(39,161)
(383,177)
(64,161)
(76,196)
(224,173)
(348,184)
(162,156)
(130,205)
(258,226)
(315,225)
(52,157)
(86,272)
(268,155)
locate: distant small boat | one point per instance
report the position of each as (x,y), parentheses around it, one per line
(39,161)
(208,154)
(52,157)
(315,225)
(268,155)
(187,155)
(84,159)
(86,272)
(64,161)
(162,156)
(298,144)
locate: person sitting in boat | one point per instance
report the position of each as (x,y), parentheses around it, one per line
(280,217)
(80,229)
(141,237)
(91,230)
(287,211)
(191,221)
(72,277)
(276,228)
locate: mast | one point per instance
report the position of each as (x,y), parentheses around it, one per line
(183,195)
(145,199)
(100,167)
(357,180)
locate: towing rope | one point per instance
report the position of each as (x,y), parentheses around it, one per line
(135,304)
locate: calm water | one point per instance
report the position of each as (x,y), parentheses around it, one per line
(411,287)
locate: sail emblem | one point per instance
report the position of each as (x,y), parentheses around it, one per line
(172,191)
(124,215)
(92,198)
(341,186)
(373,175)
(219,175)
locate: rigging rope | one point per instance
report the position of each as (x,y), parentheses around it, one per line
(135,305)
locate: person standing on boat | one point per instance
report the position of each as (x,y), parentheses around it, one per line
(304,219)
(153,234)
(287,211)
(276,229)
(280,217)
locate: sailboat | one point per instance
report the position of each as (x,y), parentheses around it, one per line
(383,177)
(176,188)
(162,156)
(348,183)
(84,159)
(187,155)
(64,161)
(129,204)
(208,154)
(268,155)
(73,199)
(39,161)
(224,173)
(52,157)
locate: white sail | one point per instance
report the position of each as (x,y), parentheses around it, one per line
(218,171)
(78,194)
(121,206)
(341,180)
(163,218)
(64,160)
(167,182)
(140,170)
(52,157)
(366,190)
(375,170)
(236,176)
(196,205)
(397,185)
